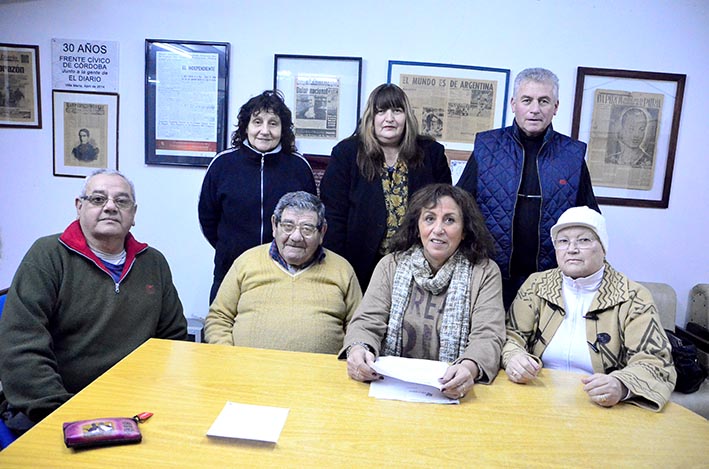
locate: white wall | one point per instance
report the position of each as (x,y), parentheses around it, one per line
(667,245)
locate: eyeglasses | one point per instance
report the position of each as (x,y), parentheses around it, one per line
(99,200)
(562,244)
(306,231)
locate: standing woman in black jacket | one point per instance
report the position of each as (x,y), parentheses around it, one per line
(244,183)
(371,176)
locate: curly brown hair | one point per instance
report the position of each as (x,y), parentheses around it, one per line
(477,244)
(268,101)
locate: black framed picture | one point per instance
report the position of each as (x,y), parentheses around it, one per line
(630,120)
(323,93)
(85,132)
(452,103)
(186,101)
(20,96)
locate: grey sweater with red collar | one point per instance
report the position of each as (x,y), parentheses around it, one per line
(66,321)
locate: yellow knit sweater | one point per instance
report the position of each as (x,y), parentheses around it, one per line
(260,304)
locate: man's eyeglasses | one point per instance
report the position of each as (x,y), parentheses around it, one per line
(99,200)
(562,244)
(306,231)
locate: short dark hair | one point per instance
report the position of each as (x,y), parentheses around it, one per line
(302,201)
(268,101)
(477,243)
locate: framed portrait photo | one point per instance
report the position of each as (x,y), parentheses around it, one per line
(20,97)
(630,120)
(186,100)
(452,103)
(85,132)
(323,93)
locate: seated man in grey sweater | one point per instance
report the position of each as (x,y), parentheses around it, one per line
(81,301)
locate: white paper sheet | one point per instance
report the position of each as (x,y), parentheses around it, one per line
(394,389)
(410,379)
(249,422)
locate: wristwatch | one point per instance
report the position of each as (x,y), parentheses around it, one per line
(366,346)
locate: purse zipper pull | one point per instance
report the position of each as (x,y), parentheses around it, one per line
(142,417)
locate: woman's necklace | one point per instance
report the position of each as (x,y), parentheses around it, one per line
(390,158)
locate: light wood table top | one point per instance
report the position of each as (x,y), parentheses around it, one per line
(333,423)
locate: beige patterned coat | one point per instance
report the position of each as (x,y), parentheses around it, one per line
(638,352)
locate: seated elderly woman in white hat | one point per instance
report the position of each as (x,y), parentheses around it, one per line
(587,317)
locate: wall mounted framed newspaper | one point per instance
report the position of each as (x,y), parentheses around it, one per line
(630,120)
(453,102)
(186,101)
(85,132)
(20,96)
(323,93)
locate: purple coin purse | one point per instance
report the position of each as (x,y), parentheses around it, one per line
(103,432)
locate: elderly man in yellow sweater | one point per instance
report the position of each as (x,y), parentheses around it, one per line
(290,294)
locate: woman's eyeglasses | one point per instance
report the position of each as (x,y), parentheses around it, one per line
(562,244)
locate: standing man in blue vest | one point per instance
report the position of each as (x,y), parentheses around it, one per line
(524,177)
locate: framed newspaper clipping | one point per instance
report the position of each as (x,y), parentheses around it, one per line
(20,97)
(630,120)
(324,95)
(186,99)
(453,102)
(85,132)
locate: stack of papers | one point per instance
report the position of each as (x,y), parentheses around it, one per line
(410,379)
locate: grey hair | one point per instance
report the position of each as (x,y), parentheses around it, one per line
(540,75)
(108,172)
(301,201)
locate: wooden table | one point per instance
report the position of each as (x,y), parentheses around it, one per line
(333,423)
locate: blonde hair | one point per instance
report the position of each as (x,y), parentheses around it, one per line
(370,156)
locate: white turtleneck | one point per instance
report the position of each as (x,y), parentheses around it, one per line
(568,349)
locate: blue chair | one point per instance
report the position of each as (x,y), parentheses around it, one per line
(6,436)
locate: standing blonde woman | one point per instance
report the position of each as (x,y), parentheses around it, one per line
(371,176)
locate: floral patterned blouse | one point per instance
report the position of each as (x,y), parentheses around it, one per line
(395,183)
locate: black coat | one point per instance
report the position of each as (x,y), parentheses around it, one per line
(355,208)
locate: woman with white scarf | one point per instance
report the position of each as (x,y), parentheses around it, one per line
(436,296)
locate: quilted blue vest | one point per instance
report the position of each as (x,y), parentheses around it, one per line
(500,159)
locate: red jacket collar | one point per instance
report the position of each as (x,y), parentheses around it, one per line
(74,239)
